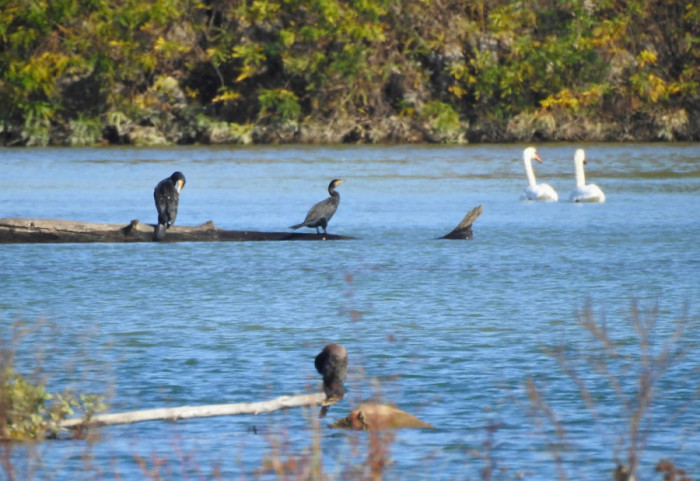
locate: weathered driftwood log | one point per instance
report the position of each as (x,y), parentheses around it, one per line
(464,229)
(20,231)
(187,412)
(372,417)
(37,231)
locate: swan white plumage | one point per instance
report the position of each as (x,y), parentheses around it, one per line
(535,191)
(583,192)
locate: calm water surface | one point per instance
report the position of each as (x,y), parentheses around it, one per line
(448,330)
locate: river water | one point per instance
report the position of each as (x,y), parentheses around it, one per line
(451,331)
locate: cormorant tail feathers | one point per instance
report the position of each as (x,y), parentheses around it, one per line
(160,232)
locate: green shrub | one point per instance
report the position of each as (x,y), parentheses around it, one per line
(442,119)
(279,104)
(28,412)
(85,131)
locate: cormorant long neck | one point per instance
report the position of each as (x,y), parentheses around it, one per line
(332,192)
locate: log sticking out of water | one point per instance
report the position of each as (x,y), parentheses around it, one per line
(27,231)
(464,229)
(187,412)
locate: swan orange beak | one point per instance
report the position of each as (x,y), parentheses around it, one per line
(537,158)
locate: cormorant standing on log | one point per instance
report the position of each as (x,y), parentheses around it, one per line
(167,196)
(332,362)
(320,214)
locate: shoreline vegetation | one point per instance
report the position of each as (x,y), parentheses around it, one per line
(167,72)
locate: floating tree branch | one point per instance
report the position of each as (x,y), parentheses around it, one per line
(187,412)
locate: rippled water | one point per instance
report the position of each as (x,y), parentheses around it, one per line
(448,330)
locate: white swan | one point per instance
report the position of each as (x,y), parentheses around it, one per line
(535,191)
(583,192)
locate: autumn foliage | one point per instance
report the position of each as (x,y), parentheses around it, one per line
(81,72)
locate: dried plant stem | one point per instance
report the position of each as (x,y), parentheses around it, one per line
(632,373)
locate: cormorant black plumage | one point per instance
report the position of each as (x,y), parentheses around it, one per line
(167,196)
(332,363)
(320,214)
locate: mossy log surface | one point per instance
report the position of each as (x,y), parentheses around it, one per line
(37,231)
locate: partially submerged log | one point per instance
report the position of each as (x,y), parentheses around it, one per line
(464,229)
(27,231)
(366,417)
(58,231)
(187,412)
(373,417)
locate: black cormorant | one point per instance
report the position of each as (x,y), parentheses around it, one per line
(167,196)
(332,362)
(321,213)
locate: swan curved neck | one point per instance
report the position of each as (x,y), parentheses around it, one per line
(580,175)
(527,161)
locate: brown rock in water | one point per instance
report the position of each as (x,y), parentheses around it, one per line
(372,417)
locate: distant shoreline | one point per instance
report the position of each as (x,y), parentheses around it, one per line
(537,127)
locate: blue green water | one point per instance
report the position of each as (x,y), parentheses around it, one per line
(450,331)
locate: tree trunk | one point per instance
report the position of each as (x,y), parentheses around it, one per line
(56,231)
(21,231)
